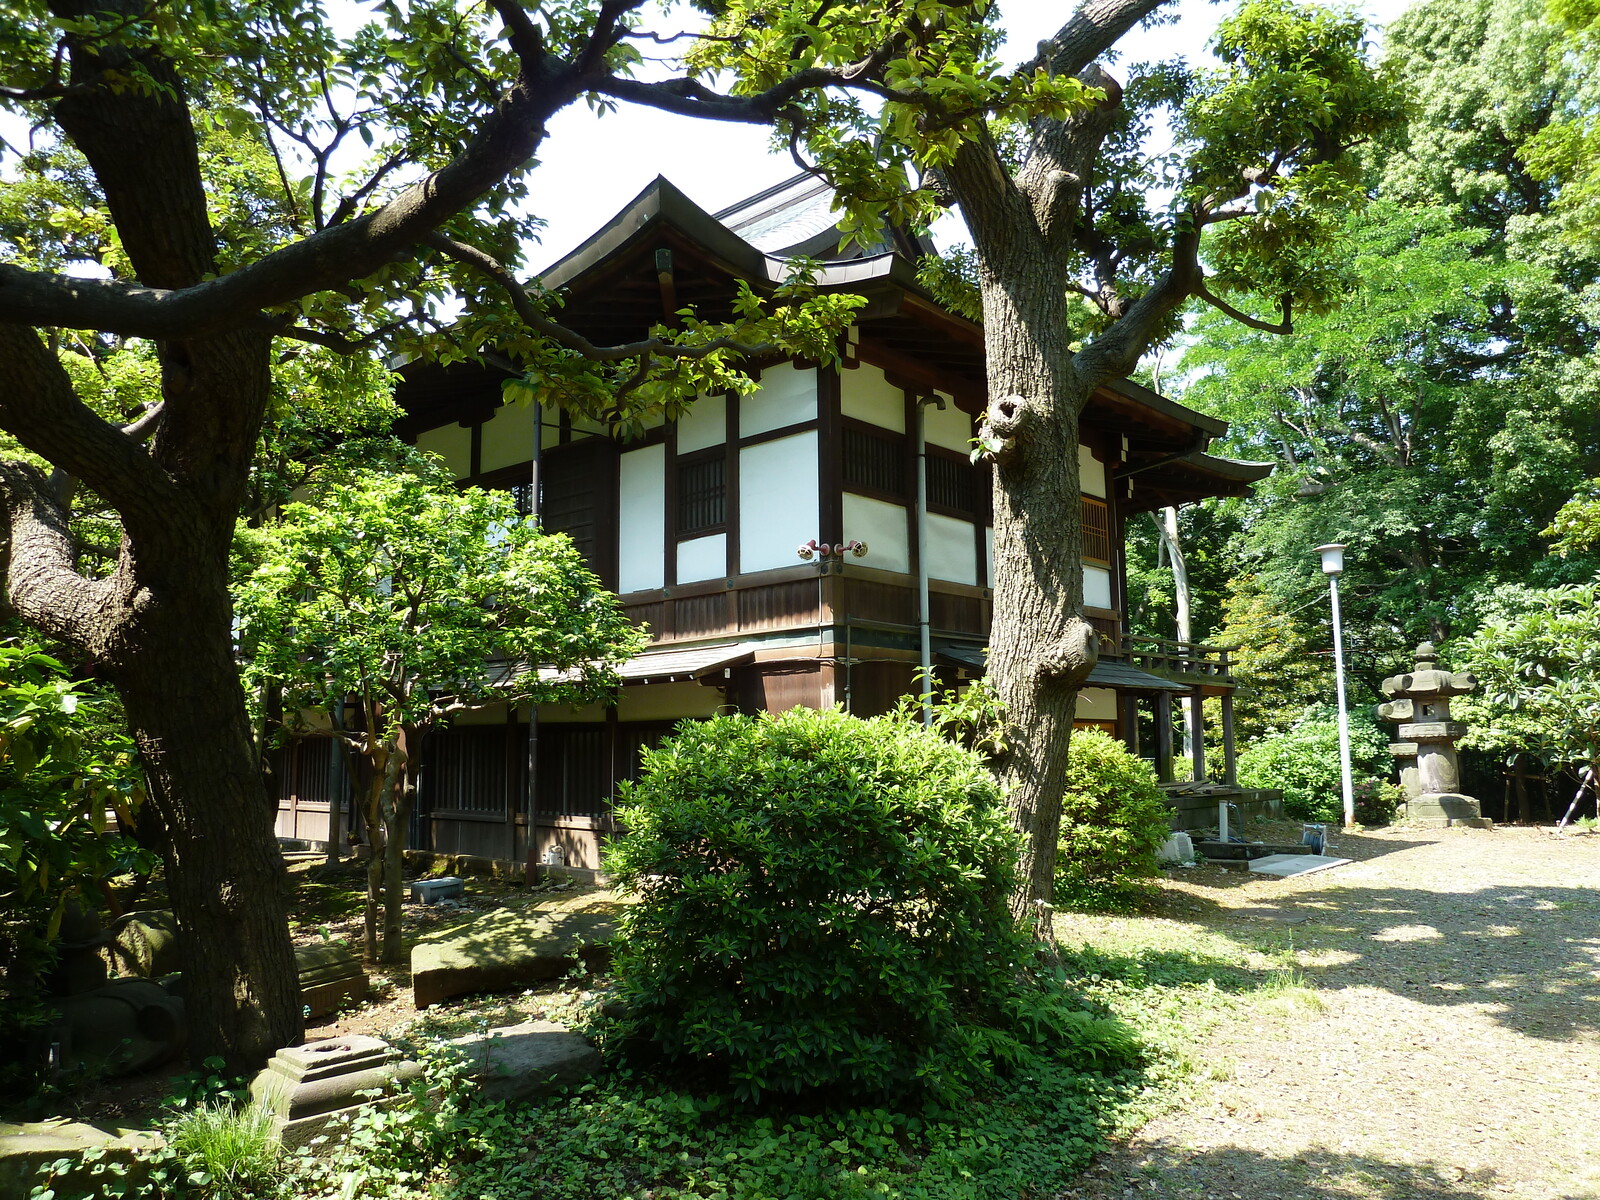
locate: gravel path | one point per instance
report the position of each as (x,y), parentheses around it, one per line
(1451,1048)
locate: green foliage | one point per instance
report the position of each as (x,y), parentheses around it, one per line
(1114,817)
(226,1151)
(1537,658)
(822,903)
(1375,802)
(1576,528)
(65,760)
(398,587)
(419,600)
(1303,762)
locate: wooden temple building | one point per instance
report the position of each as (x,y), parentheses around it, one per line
(697,525)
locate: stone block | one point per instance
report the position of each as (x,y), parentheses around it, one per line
(518,1063)
(146,945)
(28,1150)
(1439,810)
(431,891)
(308,1088)
(513,947)
(330,976)
(1432,731)
(127,1026)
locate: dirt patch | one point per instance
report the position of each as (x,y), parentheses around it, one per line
(1449,1045)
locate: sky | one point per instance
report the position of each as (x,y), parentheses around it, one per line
(590,167)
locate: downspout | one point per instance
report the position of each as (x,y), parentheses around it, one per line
(924,630)
(531,864)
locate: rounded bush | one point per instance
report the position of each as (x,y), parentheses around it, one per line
(821,903)
(1303,763)
(1114,817)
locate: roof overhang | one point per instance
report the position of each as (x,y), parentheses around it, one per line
(1117,676)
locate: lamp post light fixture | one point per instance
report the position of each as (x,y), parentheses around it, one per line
(1332,567)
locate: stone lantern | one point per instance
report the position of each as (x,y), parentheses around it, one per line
(1430,772)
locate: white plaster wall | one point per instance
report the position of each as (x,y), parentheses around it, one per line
(1097,587)
(1097,704)
(668,701)
(883,527)
(777,501)
(1091,474)
(950,551)
(491,714)
(508,437)
(642,485)
(867,396)
(704,425)
(451,443)
(988,555)
(948,427)
(565,714)
(786,397)
(703,558)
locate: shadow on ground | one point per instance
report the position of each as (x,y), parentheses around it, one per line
(1320,1173)
(1531,955)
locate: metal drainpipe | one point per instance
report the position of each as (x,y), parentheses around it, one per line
(923,628)
(531,866)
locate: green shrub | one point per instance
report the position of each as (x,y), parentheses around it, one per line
(1375,801)
(822,903)
(1303,763)
(1114,818)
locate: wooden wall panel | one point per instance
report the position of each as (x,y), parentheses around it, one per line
(778,605)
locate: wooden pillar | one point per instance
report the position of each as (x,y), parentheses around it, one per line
(1129,704)
(1197,752)
(1164,736)
(1230,758)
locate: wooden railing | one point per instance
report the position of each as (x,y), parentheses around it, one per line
(1166,658)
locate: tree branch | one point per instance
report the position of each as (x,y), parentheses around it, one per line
(39,406)
(1093,29)
(40,582)
(1285,326)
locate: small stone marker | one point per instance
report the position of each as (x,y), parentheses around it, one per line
(523,1062)
(1285,865)
(307,1088)
(330,976)
(28,1150)
(431,891)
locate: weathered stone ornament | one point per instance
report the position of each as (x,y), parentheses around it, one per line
(1430,772)
(307,1088)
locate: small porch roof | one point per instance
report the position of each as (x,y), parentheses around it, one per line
(1118,676)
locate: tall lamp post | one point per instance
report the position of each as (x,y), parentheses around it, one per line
(1332,567)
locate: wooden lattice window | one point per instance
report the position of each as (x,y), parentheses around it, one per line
(874,462)
(702,493)
(954,483)
(1096,530)
(465,770)
(574,771)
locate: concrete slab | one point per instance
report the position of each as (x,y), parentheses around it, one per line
(1285,865)
(431,891)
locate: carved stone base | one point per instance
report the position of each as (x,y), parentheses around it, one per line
(1438,810)
(309,1087)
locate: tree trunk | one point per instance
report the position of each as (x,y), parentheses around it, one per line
(1040,647)
(1167,524)
(225,873)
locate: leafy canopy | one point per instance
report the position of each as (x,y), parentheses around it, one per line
(423,599)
